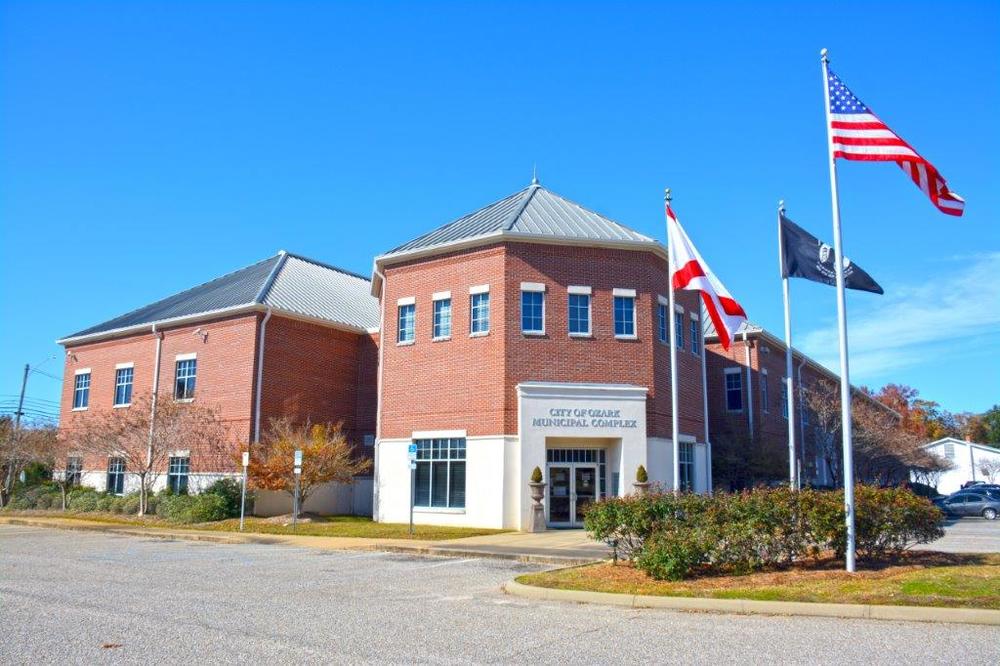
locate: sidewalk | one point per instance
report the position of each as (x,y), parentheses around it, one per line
(555,547)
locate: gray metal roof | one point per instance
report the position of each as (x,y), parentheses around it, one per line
(534,211)
(285,282)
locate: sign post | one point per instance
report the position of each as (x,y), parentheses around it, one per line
(295,496)
(412,455)
(243,493)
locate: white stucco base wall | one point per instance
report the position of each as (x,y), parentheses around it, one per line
(488,501)
(661,463)
(197,482)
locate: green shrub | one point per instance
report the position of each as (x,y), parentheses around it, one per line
(129,504)
(193,508)
(231,491)
(669,535)
(923,490)
(83,499)
(641,476)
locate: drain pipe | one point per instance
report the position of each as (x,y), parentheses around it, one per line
(152,401)
(746,350)
(378,396)
(802,422)
(260,376)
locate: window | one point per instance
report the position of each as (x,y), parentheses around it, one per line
(662,328)
(407,323)
(81,390)
(763,393)
(734,389)
(440,473)
(624,313)
(187,370)
(479,306)
(123,386)
(442,318)
(687,466)
(532,308)
(116,475)
(949,450)
(177,474)
(74,470)
(784,398)
(579,312)
(679,329)
(696,337)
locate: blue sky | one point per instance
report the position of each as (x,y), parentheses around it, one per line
(147,147)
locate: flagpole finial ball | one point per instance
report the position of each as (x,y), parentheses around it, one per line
(781,204)
(823,54)
(666,194)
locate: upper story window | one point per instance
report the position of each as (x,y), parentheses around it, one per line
(734,389)
(81,389)
(407,329)
(695,336)
(679,329)
(184,378)
(686,456)
(763,392)
(579,311)
(662,323)
(479,310)
(532,308)
(949,450)
(784,397)
(442,315)
(123,384)
(624,313)
(178,468)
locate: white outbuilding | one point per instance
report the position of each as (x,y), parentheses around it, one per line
(970,462)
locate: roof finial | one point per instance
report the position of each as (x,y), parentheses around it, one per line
(666,195)
(534,174)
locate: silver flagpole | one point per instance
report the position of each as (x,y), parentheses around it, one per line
(845,379)
(674,424)
(789,383)
(704,401)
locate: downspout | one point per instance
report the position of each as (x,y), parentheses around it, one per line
(152,402)
(260,376)
(746,350)
(704,404)
(802,423)
(378,396)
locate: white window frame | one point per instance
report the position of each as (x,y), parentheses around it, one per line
(436,299)
(449,463)
(474,292)
(580,290)
(77,388)
(738,372)
(119,368)
(623,293)
(532,288)
(695,331)
(662,323)
(408,302)
(686,457)
(679,328)
(180,358)
(173,474)
(118,472)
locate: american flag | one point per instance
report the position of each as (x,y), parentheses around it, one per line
(858,134)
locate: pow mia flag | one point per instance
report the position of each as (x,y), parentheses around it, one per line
(806,256)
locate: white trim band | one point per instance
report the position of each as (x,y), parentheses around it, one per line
(123,366)
(533,286)
(407,300)
(441,296)
(623,292)
(82,371)
(186,357)
(579,289)
(480,289)
(437,434)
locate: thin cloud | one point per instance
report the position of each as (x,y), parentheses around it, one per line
(940,315)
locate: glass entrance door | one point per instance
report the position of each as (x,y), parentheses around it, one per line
(585,490)
(571,488)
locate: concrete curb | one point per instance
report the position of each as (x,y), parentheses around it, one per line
(528,558)
(752,607)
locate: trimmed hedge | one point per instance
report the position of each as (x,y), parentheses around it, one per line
(669,536)
(193,508)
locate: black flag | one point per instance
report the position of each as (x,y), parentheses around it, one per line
(808,257)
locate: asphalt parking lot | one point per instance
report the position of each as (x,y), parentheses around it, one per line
(968,535)
(70,597)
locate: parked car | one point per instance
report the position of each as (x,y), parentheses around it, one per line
(971,503)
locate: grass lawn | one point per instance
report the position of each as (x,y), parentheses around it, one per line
(921,579)
(326,526)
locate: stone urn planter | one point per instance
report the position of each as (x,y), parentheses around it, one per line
(536,487)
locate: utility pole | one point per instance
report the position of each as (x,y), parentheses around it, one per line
(9,482)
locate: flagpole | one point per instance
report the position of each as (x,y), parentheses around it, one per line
(845,381)
(793,481)
(674,423)
(704,403)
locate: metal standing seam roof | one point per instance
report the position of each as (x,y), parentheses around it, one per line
(285,282)
(533,211)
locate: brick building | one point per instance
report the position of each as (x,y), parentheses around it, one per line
(287,336)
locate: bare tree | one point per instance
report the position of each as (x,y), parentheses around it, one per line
(20,447)
(990,469)
(145,446)
(822,399)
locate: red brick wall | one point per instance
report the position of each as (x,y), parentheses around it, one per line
(224,376)
(470,383)
(319,374)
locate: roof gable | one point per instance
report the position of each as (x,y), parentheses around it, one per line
(531,212)
(285,282)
